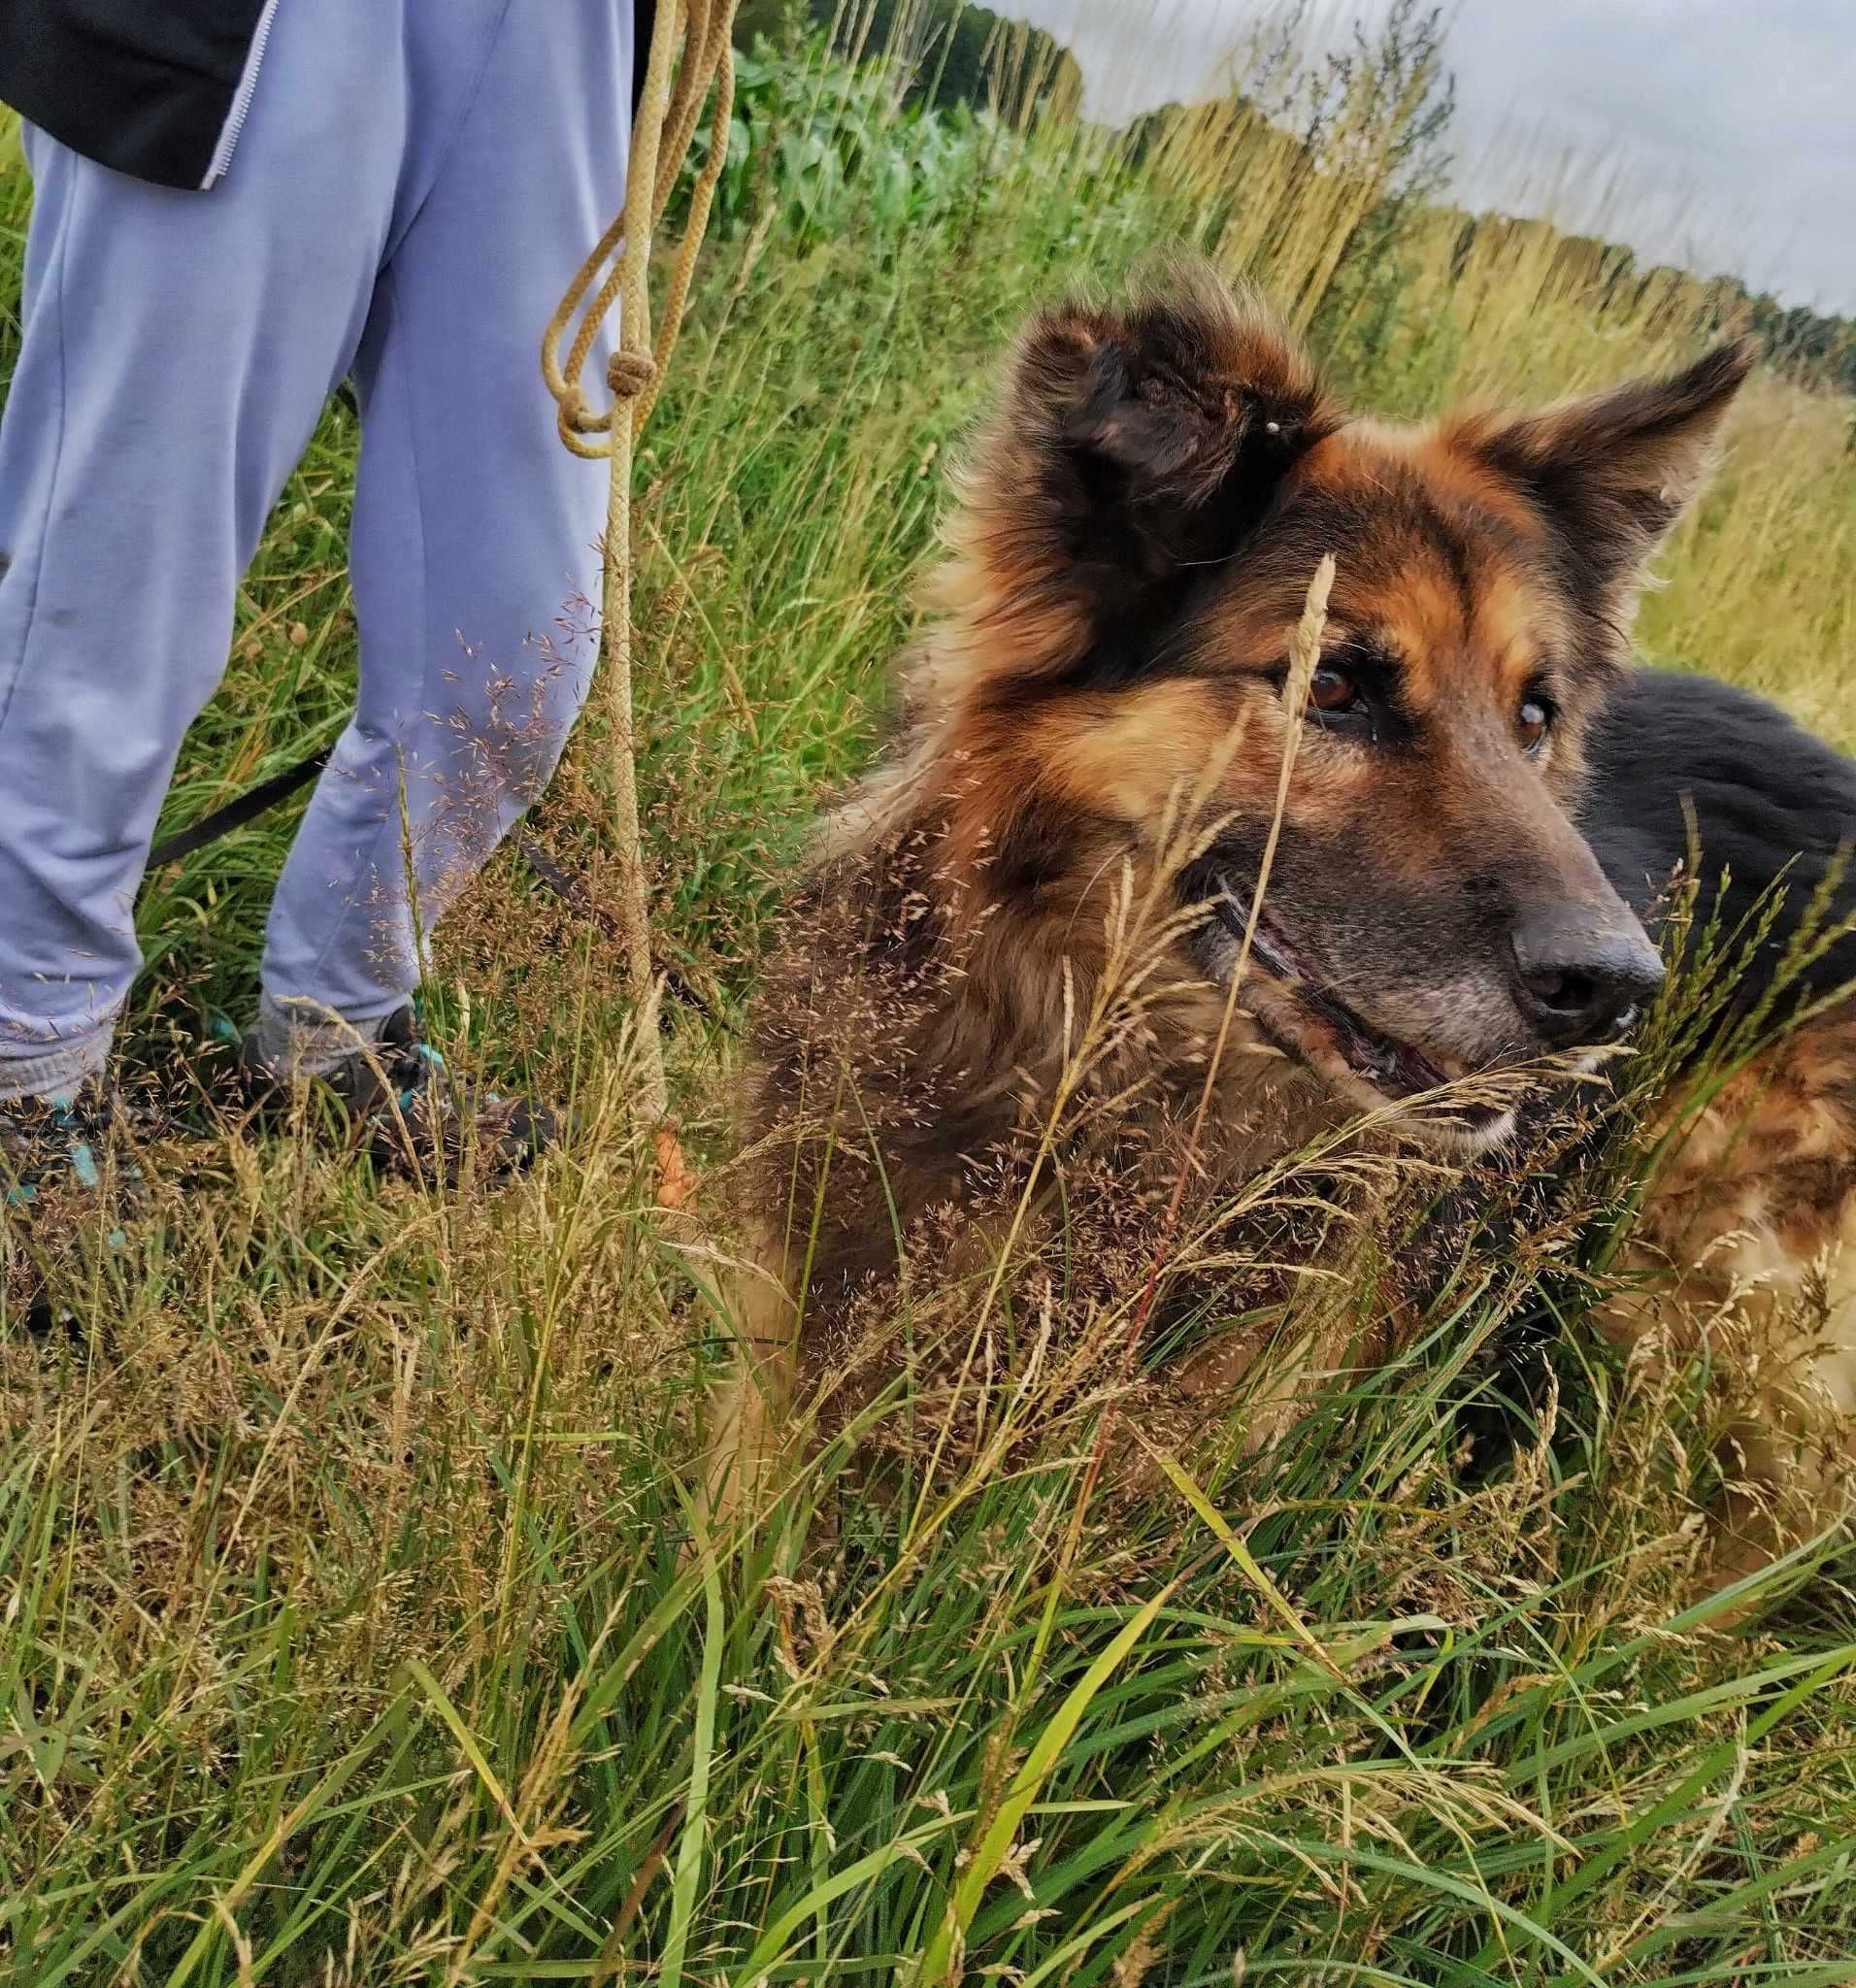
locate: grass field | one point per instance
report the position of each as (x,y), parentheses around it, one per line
(352,1625)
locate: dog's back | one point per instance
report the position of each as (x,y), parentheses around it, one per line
(1746,1242)
(1772,807)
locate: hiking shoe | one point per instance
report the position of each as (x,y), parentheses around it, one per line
(64,1172)
(57,1147)
(401,1104)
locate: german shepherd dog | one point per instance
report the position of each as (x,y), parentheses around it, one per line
(1485,801)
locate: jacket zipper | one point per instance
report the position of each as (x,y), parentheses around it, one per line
(240,102)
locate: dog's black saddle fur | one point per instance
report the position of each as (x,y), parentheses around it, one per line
(1772,804)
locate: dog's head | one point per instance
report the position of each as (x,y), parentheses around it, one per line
(1130,560)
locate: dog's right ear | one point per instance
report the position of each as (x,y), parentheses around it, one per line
(1131,447)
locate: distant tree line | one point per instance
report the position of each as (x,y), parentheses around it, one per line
(1807,344)
(1800,340)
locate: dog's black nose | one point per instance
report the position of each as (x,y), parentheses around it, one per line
(1582,976)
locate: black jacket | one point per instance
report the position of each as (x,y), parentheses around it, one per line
(157,88)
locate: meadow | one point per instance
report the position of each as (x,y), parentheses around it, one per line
(356,1623)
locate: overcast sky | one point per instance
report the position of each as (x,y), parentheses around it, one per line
(1728,126)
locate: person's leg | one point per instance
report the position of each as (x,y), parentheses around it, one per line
(177,349)
(474,552)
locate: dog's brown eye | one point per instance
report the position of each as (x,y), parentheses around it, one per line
(1535,719)
(1332,689)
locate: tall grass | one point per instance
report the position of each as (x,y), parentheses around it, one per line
(356,1625)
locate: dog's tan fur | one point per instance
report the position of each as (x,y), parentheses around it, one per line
(1097,704)
(1746,1247)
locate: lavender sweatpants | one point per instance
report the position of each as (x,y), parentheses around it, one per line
(414,183)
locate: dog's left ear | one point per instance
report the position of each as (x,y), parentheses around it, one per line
(1612,474)
(1131,446)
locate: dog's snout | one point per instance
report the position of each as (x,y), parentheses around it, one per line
(1580,974)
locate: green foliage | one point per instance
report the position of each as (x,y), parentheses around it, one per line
(1394,80)
(822,150)
(944,52)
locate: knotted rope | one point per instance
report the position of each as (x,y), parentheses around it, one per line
(668,108)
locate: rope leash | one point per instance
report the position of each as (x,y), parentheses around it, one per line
(668,108)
